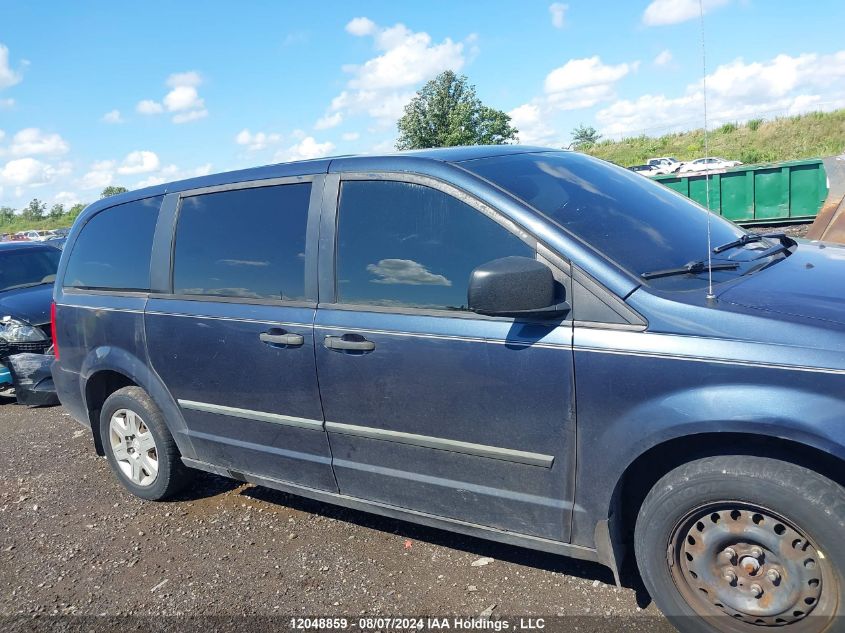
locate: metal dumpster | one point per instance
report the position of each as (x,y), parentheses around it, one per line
(791,191)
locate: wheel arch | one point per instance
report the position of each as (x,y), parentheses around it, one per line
(649,466)
(107,369)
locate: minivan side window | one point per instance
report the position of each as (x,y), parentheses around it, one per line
(407,245)
(247,243)
(112,251)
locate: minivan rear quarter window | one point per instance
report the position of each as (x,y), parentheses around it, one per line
(247,243)
(407,245)
(112,251)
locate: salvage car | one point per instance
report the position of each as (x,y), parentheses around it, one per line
(708,164)
(509,342)
(27,272)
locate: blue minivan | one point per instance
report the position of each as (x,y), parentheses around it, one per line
(509,342)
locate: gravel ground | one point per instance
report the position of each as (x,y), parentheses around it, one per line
(72,541)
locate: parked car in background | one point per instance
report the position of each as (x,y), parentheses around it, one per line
(647,170)
(27,273)
(666,164)
(708,164)
(507,342)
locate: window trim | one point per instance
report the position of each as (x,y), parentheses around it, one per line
(312,218)
(329,234)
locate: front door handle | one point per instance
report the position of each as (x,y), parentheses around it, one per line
(277,336)
(349,343)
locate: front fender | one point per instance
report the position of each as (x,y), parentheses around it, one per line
(108,358)
(803,413)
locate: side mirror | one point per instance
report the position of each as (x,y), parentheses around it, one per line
(515,286)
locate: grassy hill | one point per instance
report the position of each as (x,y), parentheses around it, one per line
(811,135)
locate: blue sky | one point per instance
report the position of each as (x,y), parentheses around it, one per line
(97,93)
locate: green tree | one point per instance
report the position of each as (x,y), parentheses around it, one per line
(75,210)
(7,214)
(112,190)
(34,210)
(446,112)
(56,211)
(585,136)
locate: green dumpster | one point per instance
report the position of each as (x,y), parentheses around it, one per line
(791,191)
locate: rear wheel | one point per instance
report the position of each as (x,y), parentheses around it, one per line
(139,447)
(738,543)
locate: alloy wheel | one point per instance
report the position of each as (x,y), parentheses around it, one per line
(133,447)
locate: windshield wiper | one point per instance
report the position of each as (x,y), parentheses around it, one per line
(693,268)
(750,238)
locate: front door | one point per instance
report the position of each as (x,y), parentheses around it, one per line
(428,406)
(234,339)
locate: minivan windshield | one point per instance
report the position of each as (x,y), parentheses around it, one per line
(641,225)
(26,267)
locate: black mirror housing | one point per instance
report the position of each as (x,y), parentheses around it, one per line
(514,286)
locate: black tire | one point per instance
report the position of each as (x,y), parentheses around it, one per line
(704,581)
(172,475)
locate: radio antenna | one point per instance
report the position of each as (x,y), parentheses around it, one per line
(710,295)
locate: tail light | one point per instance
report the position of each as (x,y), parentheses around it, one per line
(53,329)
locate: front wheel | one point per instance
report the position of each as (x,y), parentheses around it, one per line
(737,544)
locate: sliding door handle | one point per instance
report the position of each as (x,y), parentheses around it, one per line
(278,336)
(348,343)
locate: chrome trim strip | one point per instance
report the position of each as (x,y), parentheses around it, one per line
(446,337)
(439,443)
(705,359)
(248,414)
(226,318)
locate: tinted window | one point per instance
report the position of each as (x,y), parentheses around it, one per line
(407,245)
(642,225)
(244,243)
(113,249)
(22,268)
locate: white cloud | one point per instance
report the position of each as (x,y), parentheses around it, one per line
(662,12)
(99,176)
(30,172)
(138,162)
(381,86)
(112,116)
(736,91)
(172,173)
(183,99)
(582,73)
(578,84)
(32,141)
(558,12)
(532,124)
(8,77)
(190,78)
(361,27)
(406,272)
(306,149)
(328,121)
(350,136)
(7,104)
(193,115)
(258,141)
(148,106)
(664,58)
(67,198)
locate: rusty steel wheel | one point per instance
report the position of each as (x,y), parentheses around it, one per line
(739,543)
(751,564)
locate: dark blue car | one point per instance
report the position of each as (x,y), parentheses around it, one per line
(508,342)
(27,272)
